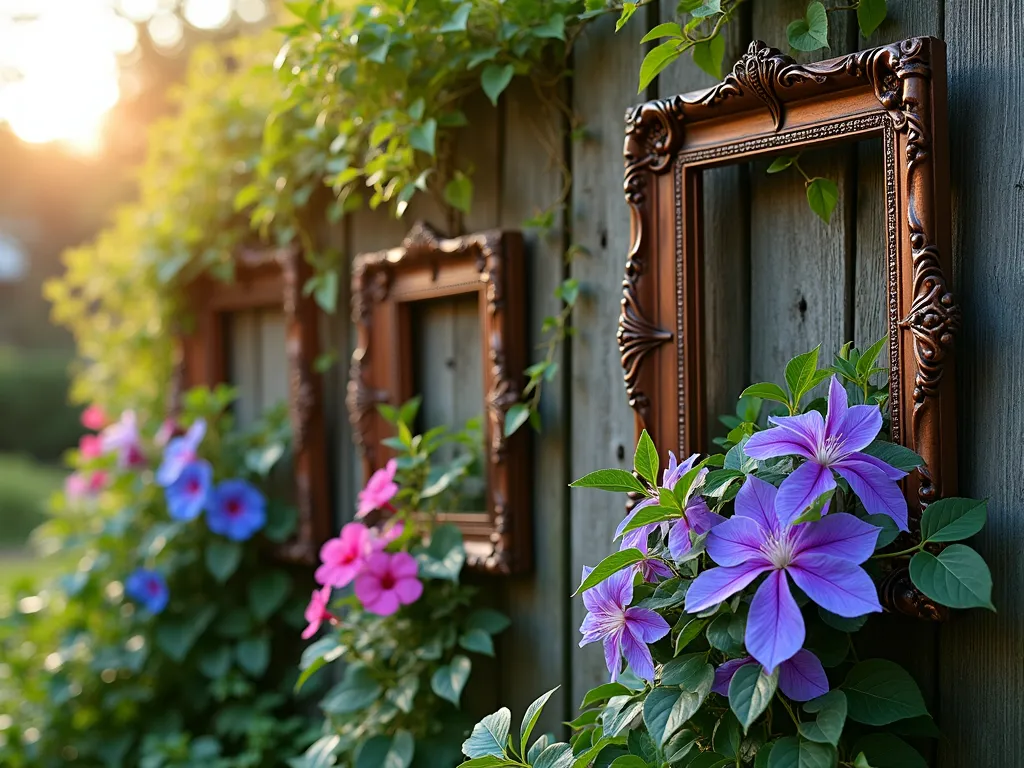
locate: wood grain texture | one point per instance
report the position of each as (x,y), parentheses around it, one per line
(602,431)
(800,266)
(726,243)
(982,674)
(535,649)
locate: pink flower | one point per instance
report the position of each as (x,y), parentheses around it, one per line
(388,582)
(94,418)
(75,486)
(90,446)
(344,556)
(316,611)
(380,538)
(379,491)
(167,430)
(122,438)
(97,482)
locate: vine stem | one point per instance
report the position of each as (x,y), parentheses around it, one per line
(901,553)
(789,710)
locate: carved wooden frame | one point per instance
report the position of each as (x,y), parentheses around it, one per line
(767,104)
(268,278)
(426,266)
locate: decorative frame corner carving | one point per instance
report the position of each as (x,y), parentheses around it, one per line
(270,278)
(425,266)
(769,103)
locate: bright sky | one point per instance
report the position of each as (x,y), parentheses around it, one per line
(59,59)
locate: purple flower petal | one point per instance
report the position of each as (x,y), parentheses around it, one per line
(638,656)
(679,539)
(835,584)
(807,428)
(626,520)
(614,592)
(860,428)
(800,489)
(890,471)
(701,518)
(879,494)
(725,673)
(670,469)
(737,541)
(802,677)
(839,535)
(646,625)
(613,654)
(756,500)
(775,628)
(770,443)
(837,407)
(592,629)
(717,584)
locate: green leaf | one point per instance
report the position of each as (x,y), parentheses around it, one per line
(444,556)
(403,693)
(657,59)
(268,592)
(645,460)
(385,752)
(628,9)
(489,735)
(766,391)
(894,455)
(830,711)
(842,623)
(555,756)
(356,691)
(879,692)
(958,577)
(531,717)
(553,28)
(215,664)
(822,196)
(717,483)
(750,693)
(629,761)
(870,15)
(708,55)
(422,137)
(477,641)
(495,79)
(811,32)
(490,621)
(479,57)
(953,519)
(321,753)
(792,752)
(517,415)
(666,709)
(781,163)
(679,746)
(727,736)
(668,29)
(222,558)
(614,563)
(690,631)
(884,750)
(616,480)
(449,680)
(800,373)
(650,515)
(175,637)
(603,692)
(253,655)
(458,21)
(458,192)
(726,633)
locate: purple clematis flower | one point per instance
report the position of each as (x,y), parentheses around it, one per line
(187,495)
(624,631)
(822,557)
(650,570)
(697,516)
(149,588)
(236,510)
(180,452)
(801,677)
(834,442)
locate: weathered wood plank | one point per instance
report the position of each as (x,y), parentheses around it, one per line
(606,67)
(726,243)
(980,653)
(800,289)
(535,649)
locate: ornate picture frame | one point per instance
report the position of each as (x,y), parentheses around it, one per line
(766,105)
(271,278)
(428,266)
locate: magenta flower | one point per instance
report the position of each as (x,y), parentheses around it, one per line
(697,516)
(187,495)
(97,482)
(180,452)
(379,491)
(801,677)
(821,557)
(381,537)
(122,438)
(149,588)
(343,557)
(75,486)
(316,612)
(236,509)
(388,582)
(831,443)
(90,446)
(624,631)
(94,418)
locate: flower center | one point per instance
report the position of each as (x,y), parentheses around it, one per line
(779,550)
(830,451)
(154,588)
(387,581)
(233,508)
(193,486)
